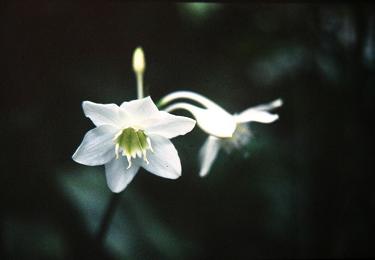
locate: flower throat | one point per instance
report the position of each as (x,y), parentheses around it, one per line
(133,143)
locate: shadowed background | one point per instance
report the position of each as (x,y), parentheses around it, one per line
(301,188)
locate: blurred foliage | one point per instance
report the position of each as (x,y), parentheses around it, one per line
(134,225)
(301,189)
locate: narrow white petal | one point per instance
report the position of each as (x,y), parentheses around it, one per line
(97,146)
(207,154)
(269,106)
(140,109)
(214,122)
(168,125)
(118,175)
(190,95)
(101,114)
(164,160)
(254,115)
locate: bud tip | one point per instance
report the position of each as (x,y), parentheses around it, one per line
(139,63)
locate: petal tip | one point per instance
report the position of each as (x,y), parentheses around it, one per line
(86,103)
(276,117)
(148,99)
(203,174)
(74,156)
(116,189)
(278,102)
(175,176)
(192,124)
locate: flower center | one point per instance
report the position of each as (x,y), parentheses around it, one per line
(240,138)
(132,143)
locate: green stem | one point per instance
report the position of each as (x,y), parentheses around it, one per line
(107,218)
(140,92)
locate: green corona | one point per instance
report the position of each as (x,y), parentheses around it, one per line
(133,143)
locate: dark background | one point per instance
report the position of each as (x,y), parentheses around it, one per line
(303,188)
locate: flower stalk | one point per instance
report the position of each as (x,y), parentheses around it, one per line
(107,218)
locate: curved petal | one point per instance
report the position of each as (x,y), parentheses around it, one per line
(101,114)
(254,115)
(214,122)
(207,154)
(168,125)
(97,146)
(192,96)
(164,160)
(140,109)
(117,174)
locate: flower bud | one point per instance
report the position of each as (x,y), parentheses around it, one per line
(139,63)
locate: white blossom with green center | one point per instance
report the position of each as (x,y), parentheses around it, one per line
(224,130)
(128,137)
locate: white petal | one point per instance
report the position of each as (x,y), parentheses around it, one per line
(164,160)
(117,174)
(168,125)
(269,106)
(97,147)
(254,115)
(190,95)
(140,109)
(102,114)
(207,154)
(215,122)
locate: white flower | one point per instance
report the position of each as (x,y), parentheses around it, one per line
(133,135)
(212,119)
(225,130)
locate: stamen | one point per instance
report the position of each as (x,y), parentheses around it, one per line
(145,157)
(129,162)
(117,147)
(149,145)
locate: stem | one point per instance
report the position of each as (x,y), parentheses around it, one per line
(106,220)
(140,93)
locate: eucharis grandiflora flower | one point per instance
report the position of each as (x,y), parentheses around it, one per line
(224,129)
(133,135)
